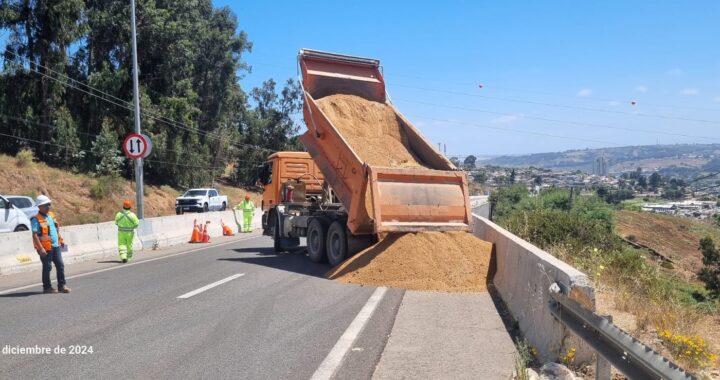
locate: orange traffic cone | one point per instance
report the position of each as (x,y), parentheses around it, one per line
(227,231)
(205,235)
(196,236)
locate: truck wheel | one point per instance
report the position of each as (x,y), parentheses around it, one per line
(316,232)
(337,246)
(276,236)
(224,206)
(206,208)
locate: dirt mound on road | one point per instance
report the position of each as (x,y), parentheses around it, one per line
(435,261)
(372,129)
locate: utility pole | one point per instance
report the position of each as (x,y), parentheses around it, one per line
(139,183)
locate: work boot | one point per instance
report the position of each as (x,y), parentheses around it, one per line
(63,289)
(50,291)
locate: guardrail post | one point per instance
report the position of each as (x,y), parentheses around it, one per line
(603,368)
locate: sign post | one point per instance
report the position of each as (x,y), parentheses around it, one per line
(139,183)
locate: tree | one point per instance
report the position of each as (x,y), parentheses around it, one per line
(710,273)
(105,151)
(269,128)
(642,182)
(511,178)
(469,162)
(654,181)
(480,177)
(455,161)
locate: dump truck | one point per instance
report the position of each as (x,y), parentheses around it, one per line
(340,203)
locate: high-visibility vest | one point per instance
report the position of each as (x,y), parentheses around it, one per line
(247,207)
(44,234)
(126,221)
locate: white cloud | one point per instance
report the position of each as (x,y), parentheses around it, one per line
(675,72)
(584,92)
(507,119)
(716,99)
(641,88)
(614,103)
(690,91)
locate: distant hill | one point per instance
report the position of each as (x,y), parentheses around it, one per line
(680,158)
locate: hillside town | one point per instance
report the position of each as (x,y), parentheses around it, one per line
(651,191)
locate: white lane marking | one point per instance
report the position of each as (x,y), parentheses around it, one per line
(210,286)
(130,264)
(335,357)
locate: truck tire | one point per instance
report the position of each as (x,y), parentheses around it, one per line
(337,245)
(224,206)
(205,208)
(21,227)
(276,236)
(316,232)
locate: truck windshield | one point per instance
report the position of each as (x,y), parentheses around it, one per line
(195,193)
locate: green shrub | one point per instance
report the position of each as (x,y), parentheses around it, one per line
(24,157)
(103,186)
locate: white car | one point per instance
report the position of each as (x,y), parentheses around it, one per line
(26,204)
(201,200)
(12,219)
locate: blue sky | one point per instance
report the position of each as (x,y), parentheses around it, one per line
(579,64)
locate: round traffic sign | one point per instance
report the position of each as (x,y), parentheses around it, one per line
(137,146)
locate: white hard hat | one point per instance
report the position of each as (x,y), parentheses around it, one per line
(42,200)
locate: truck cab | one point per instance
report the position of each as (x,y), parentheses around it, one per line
(285,169)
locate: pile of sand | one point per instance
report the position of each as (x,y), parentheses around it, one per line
(437,261)
(372,129)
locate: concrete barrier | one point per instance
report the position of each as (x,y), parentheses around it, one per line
(94,241)
(523,275)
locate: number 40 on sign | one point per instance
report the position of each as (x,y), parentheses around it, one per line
(137,146)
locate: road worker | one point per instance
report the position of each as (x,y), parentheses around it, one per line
(47,243)
(127,222)
(248,208)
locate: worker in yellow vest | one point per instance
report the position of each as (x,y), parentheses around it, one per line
(248,208)
(47,243)
(127,222)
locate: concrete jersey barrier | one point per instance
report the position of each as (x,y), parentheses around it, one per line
(94,241)
(523,276)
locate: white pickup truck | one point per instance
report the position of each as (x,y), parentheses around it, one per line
(200,200)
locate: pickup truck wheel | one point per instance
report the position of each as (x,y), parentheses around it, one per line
(21,228)
(224,206)
(317,229)
(206,208)
(337,245)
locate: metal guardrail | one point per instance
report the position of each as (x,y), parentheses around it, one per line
(613,346)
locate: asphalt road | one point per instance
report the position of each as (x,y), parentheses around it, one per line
(274,317)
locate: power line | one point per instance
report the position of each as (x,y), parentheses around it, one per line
(514,130)
(90,152)
(545,104)
(491,86)
(171,123)
(524,116)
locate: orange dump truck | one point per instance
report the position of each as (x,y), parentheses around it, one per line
(334,198)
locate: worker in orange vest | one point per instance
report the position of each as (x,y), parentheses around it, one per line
(47,243)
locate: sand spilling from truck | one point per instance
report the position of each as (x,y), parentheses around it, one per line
(372,129)
(433,261)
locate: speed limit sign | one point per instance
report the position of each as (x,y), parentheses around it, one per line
(137,146)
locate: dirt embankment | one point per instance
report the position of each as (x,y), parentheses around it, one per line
(434,261)
(674,237)
(76,198)
(372,129)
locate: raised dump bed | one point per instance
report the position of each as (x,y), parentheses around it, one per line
(386,174)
